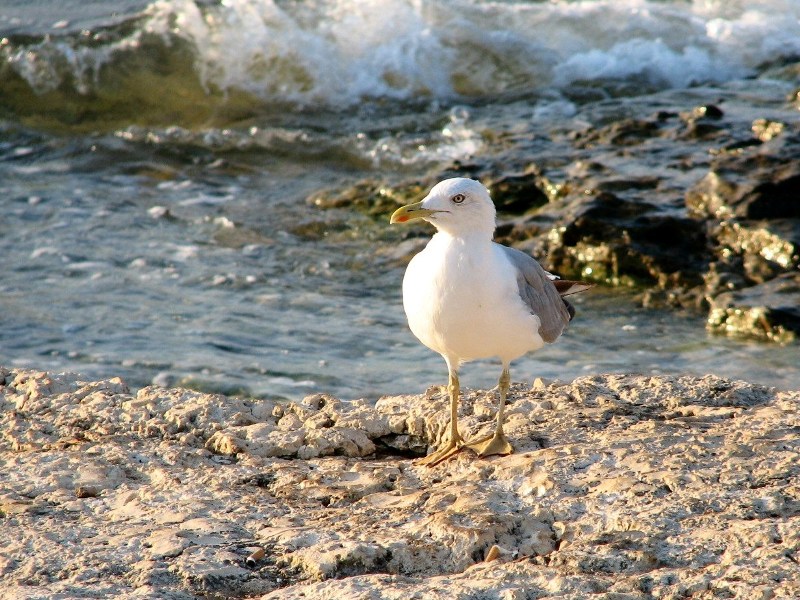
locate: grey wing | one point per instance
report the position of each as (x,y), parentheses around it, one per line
(540,294)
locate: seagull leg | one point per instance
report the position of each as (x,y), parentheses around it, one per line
(456,442)
(496,443)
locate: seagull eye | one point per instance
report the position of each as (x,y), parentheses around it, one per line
(458,198)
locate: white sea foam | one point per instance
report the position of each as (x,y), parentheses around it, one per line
(337,53)
(341,51)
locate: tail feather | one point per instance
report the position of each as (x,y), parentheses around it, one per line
(564,287)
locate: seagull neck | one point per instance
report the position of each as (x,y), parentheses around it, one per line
(472,237)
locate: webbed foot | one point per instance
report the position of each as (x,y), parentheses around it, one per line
(495,444)
(434,458)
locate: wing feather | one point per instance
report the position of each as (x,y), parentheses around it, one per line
(539,292)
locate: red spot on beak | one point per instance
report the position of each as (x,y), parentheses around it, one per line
(402,219)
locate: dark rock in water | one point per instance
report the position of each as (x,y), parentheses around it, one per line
(700,129)
(770,310)
(628,183)
(625,132)
(512,192)
(516,193)
(699,206)
(776,198)
(708,197)
(775,195)
(370,196)
(749,186)
(701,123)
(751,200)
(609,238)
(768,247)
(707,111)
(725,275)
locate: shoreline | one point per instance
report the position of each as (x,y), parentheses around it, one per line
(622,486)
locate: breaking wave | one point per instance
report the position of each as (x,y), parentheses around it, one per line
(185,62)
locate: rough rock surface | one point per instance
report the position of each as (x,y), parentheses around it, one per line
(622,486)
(686,205)
(770,309)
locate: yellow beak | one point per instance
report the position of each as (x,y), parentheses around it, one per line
(411,212)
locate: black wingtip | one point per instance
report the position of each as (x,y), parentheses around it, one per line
(570,309)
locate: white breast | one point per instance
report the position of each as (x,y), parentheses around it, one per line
(462,301)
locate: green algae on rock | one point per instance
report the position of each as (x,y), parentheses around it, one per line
(770,310)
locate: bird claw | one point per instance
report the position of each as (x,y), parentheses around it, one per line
(433,459)
(491,445)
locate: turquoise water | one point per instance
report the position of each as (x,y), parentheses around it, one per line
(156,160)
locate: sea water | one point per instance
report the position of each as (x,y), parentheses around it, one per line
(156,159)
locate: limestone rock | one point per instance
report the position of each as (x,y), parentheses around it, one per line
(621,486)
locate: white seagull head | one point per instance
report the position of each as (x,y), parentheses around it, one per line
(457,206)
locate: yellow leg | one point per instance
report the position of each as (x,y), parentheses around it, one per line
(456,442)
(496,443)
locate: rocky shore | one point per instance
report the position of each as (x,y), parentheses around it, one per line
(697,206)
(622,487)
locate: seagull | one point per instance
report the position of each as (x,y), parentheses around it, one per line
(468,297)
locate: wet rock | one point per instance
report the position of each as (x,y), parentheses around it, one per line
(765,130)
(683,197)
(707,111)
(754,185)
(701,123)
(767,248)
(371,197)
(770,310)
(512,192)
(708,197)
(725,275)
(622,132)
(752,199)
(608,238)
(517,193)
